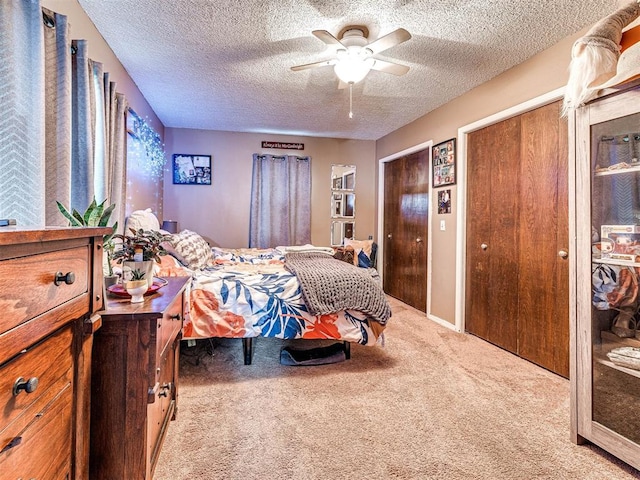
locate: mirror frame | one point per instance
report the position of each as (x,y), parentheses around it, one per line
(343,177)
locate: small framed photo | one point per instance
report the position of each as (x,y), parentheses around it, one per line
(191,169)
(444,201)
(444,163)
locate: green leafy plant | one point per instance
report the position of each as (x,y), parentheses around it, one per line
(96,215)
(110,248)
(148,241)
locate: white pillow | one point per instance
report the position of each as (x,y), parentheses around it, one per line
(142,219)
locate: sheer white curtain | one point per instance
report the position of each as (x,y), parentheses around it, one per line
(62,131)
(280,201)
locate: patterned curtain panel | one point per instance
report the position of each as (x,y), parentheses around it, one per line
(22,130)
(280,201)
(82,119)
(116,140)
(57,46)
(62,128)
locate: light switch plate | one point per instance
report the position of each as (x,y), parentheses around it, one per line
(443,227)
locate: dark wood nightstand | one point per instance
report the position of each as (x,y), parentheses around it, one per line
(135,381)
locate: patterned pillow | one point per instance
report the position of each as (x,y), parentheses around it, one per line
(194,249)
(362,251)
(170,249)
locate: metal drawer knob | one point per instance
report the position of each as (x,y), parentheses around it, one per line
(28,386)
(164,390)
(563,254)
(484,246)
(67,278)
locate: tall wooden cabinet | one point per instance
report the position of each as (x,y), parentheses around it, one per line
(605,344)
(50,287)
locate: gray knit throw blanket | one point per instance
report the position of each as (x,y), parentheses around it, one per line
(329,285)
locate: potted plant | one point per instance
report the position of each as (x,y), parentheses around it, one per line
(110,278)
(137,286)
(138,251)
(96,215)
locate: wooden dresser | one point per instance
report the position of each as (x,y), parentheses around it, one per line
(50,285)
(135,382)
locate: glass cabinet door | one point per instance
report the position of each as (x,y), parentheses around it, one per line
(615,274)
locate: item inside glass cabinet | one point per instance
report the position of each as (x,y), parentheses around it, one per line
(615,268)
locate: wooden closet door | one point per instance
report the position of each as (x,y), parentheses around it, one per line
(406,216)
(543,316)
(492,233)
(393,174)
(517,226)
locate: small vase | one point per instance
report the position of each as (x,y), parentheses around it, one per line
(137,289)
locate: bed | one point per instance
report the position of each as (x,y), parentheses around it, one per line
(285,292)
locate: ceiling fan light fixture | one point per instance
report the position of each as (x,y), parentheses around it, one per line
(353,69)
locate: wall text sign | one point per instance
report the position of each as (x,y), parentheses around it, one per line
(283,145)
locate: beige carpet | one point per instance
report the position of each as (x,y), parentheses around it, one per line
(431,404)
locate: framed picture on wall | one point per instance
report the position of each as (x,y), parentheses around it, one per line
(191,169)
(444,201)
(444,163)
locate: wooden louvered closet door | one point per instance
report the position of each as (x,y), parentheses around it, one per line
(517,227)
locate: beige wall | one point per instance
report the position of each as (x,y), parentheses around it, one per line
(541,74)
(220,212)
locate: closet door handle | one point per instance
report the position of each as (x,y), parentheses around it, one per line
(418,240)
(484,246)
(389,235)
(563,254)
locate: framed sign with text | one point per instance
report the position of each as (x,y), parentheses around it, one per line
(444,163)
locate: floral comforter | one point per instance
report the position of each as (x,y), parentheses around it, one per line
(248,293)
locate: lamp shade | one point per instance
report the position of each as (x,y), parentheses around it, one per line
(352,67)
(170,226)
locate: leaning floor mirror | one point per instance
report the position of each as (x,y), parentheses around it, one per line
(343,203)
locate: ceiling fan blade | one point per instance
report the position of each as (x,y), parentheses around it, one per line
(323,63)
(390,40)
(390,67)
(327,38)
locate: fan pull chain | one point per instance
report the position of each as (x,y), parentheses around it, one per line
(350,99)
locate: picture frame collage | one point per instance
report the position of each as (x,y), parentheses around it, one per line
(191,169)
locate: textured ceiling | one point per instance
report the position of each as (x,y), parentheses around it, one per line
(225,65)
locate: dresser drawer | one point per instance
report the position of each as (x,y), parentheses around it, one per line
(37,292)
(39,445)
(169,326)
(160,412)
(45,362)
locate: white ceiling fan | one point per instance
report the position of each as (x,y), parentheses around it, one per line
(355,56)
